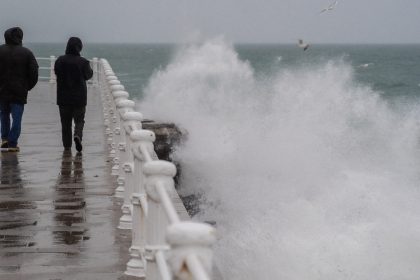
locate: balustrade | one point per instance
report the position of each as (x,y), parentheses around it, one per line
(163,246)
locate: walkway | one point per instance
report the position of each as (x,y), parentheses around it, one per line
(58,218)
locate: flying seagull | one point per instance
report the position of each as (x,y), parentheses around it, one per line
(329,8)
(303,45)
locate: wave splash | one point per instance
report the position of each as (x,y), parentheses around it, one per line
(308,174)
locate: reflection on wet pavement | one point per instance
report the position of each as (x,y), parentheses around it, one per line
(12,217)
(10,171)
(58,216)
(11,182)
(70,200)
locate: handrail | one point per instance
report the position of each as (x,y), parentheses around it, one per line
(146,184)
(52,78)
(197,270)
(167,204)
(160,259)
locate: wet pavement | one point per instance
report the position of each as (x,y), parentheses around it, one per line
(58,217)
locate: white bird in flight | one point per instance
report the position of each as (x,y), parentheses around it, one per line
(303,45)
(329,8)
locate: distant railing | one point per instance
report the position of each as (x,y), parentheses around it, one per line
(50,68)
(47,64)
(163,246)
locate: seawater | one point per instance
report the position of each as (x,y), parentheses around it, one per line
(308,162)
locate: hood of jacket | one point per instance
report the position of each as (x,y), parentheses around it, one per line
(13,36)
(74,46)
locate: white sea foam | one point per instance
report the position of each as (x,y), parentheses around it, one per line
(307,174)
(365,65)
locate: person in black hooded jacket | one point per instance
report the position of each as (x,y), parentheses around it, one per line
(72,72)
(18,75)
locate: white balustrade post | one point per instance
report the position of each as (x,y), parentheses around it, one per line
(142,142)
(111,122)
(114,140)
(112,117)
(110,110)
(95,71)
(123,106)
(100,71)
(131,121)
(53,78)
(158,173)
(105,70)
(106,96)
(121,97)
(191,255)
(101,78)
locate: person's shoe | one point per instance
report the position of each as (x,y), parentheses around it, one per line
(4,144)
(78,143)
(67,148)
(14,149)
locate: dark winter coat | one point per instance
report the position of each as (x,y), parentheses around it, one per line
(72,72)
(18,68)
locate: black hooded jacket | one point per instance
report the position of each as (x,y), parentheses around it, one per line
(72,72)
(18,68)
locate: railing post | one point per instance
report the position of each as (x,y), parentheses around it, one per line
(123,106)
(132,121)
(106,96)
(53,78)
(114,86)
(136,265)
(114,140)
(110,112)
(191,252)
(156,172)
(95,71)
(105,70)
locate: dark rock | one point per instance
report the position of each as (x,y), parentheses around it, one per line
(168,136)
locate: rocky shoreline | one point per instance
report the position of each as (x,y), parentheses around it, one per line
(168,137)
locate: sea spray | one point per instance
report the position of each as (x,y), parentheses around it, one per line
(308,174)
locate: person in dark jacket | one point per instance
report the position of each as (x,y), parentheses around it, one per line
(72,72)
(18,75)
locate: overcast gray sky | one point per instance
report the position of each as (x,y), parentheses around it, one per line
(259,21)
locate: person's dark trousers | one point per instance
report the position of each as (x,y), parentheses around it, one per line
(67,115)
(10,132)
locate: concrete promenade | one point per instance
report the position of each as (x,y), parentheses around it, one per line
(58,217)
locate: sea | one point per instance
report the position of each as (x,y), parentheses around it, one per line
(307,162)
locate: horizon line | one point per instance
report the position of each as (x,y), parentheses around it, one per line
(235,43)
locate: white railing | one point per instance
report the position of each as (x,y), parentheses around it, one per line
(163,246)
(50,60)
(47,64)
